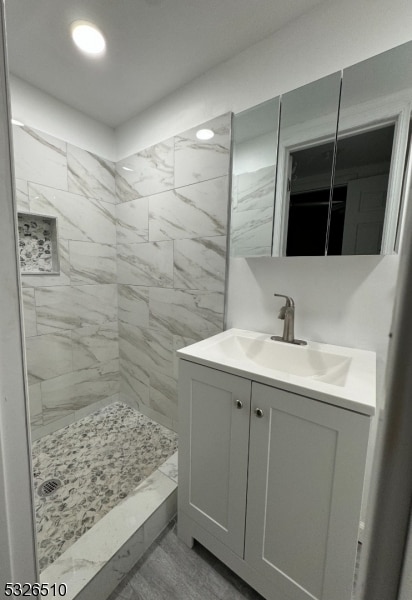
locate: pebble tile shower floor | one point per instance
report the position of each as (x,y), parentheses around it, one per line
(99,461)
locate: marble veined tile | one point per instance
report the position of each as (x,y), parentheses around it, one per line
(55,419)
(22,195)
(186,312)
(133,221)
(198,160)
(158,417)
(39,157)
(92,263)
(29,312)
(133,305)
(48,356)
(72,307)
(94,344)
(249,251)
(163,395)
(144,352)
(134,382)
(78,217)
(147,172)
(132,391)
(198,210)
(82,562)
(146,264)
(152,349)
(181,342)
(91,175)
(75,390)
(170,467)
(92,408)
(251,228)
(200,263)
(63,278)
(256,189)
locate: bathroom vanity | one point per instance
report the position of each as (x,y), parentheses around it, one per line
(272,452)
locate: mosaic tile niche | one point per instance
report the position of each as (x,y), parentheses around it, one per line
(38,244)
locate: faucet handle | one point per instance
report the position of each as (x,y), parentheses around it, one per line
(289,300)
(282,313)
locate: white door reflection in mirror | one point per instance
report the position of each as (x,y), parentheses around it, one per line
(364,215)
(374,121)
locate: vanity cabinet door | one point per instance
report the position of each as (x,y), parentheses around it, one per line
(214,412)
(306,470)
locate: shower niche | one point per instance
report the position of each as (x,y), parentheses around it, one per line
(38,248)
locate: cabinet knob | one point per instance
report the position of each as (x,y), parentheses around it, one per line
(239,403)
(259,412)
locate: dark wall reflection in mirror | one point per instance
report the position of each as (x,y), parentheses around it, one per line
(360,192)
(341,154)
(307,137)
(358,203)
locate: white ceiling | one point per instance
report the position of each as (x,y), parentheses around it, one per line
(153,46)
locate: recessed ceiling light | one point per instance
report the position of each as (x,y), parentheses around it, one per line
(88,38)
(204,134)
(16,122)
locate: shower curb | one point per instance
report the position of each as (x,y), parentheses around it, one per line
(96,564)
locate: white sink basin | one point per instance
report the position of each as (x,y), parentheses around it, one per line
(277,356)
(342,376)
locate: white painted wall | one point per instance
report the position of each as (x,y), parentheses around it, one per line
(41,111)
(343,300)
(332,36)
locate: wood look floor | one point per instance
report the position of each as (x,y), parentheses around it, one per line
(171,571)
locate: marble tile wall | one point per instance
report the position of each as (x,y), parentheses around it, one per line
(70,319)
(171,233)
(252,212)
(142,249)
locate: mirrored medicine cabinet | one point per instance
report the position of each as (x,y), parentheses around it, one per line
(321,170)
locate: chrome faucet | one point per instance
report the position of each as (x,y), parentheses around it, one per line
(287,314)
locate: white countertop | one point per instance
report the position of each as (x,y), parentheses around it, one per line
(344,377)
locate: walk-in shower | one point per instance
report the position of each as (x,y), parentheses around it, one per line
(119,268)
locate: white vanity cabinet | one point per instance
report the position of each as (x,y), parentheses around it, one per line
(271,482)
(214,450)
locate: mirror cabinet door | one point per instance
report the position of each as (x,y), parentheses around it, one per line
(304,185)
(373,137)
(255,140)
(307,136)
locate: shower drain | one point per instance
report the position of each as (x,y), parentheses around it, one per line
(47,488)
